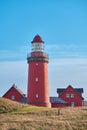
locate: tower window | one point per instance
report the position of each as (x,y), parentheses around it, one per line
(37,95)
(36,79)
(36,64)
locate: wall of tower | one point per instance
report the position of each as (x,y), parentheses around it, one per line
(38,90)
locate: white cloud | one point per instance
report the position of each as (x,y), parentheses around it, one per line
(67,50)
(60,51)
(16,53)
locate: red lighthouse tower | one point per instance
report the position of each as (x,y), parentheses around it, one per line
(38,90)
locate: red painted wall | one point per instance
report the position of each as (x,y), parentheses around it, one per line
(13,92)
(38,70)
(77,98)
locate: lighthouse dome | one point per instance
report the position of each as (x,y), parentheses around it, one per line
(37,39)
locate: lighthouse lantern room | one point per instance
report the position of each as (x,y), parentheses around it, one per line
(38,88)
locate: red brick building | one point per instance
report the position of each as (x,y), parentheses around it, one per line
(14,93)
(73,96)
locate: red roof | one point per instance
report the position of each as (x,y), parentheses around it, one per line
(38,39)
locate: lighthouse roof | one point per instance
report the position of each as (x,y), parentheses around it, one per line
(38,39)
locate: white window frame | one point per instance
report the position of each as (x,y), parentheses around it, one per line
(67,95)
(12,97)
(72,104)
(72,95)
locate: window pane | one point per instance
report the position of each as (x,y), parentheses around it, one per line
(67,95)
(72,104)
(72,95)
(12,97)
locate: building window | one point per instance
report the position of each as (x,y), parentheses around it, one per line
(72,95)
(67,95)
(12,97)
(37,95)
(36,79)
(72,104)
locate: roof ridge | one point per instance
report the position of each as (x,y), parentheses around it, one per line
(19,90)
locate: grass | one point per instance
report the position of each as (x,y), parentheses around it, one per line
(26,117)
(7,105)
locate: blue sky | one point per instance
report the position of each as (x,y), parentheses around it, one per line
(63,26)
